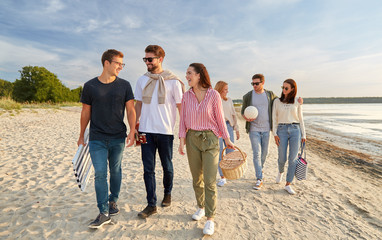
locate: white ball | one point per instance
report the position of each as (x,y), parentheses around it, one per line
(250,112)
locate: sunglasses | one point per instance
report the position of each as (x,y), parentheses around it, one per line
(255,83)
(149,59)
(286,88)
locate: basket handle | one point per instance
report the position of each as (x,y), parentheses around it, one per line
(236,147)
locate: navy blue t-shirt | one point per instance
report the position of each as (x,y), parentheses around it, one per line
(107,107)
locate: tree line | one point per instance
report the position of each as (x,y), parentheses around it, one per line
(37,84)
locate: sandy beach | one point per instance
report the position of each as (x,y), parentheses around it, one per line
(342,198)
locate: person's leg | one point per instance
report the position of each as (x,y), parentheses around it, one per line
(195,162)
(210,165)
(116,147)
(256,145)
(294,145)
(98,153)
(148,159)
(165,150)
(264,149)
(282,133)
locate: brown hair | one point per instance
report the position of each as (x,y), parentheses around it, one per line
(109,54)
(259,76)
(292,94)
(219,87)
(204,77)
(157,50)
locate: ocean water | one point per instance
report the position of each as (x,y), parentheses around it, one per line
(351,126)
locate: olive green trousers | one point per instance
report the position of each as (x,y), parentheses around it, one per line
(203,157)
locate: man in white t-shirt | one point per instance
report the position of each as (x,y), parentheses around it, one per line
(158,94)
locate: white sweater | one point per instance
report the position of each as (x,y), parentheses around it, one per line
(287,113)
(230,113)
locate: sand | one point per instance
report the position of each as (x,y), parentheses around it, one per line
(40,199)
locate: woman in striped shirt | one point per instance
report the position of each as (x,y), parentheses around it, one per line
(201,125)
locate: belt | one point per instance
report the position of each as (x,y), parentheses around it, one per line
(289,123)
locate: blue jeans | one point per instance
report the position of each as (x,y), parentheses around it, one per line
(259,142)
(223,145)
(100,152)
(164,144)
(288,134)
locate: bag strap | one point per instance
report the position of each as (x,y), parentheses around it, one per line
(302,150)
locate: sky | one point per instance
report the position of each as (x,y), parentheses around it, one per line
(331,48)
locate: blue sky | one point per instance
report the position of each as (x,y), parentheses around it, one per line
(332,48)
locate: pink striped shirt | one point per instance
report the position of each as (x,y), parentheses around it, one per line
(206,115)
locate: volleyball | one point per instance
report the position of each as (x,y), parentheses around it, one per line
(251,112)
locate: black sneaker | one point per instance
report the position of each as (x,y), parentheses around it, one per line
(113,208)
(166,200)
(148,211)
(100,221)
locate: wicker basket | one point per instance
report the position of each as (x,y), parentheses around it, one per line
(233,164)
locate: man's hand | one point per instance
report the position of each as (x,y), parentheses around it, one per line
(80,141)
(237,135)
(130,139)
(277,140)
(229,144)
(248,119)
(181,146)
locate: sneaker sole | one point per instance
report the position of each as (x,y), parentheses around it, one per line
(96,227)
(113,214)
(257,188)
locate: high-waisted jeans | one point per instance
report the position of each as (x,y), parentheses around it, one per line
(289,134)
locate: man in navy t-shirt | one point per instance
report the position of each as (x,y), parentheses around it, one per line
(104,100)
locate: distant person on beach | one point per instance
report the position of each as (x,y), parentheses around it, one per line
(260,127)
(231,123)
(104,100)
(288,129)
(159,94)
(201,124)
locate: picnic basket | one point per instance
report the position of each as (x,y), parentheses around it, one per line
(233,164)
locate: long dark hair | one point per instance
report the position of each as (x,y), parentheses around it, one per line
(204,76)
(291,96)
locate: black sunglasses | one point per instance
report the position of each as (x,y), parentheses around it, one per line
(149,59)
(286,88)
(255,83)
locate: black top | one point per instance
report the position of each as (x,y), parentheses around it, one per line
(107,107)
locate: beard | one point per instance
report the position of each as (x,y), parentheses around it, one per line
(151,68)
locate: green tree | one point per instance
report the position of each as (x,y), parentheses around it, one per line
(6,88)
(39,85)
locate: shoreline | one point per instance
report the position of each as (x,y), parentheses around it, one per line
(41,200)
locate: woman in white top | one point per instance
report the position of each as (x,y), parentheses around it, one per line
(231,121)
(288,129)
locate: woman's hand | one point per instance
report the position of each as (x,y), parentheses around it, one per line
(229,144)
(237,135)
(181,146)
(277,140)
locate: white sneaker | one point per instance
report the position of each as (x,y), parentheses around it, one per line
(279,177)
(290,190)
(209,227)
(199,214)
(258,184)
(222,182)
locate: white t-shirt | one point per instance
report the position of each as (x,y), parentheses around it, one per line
(155,117)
